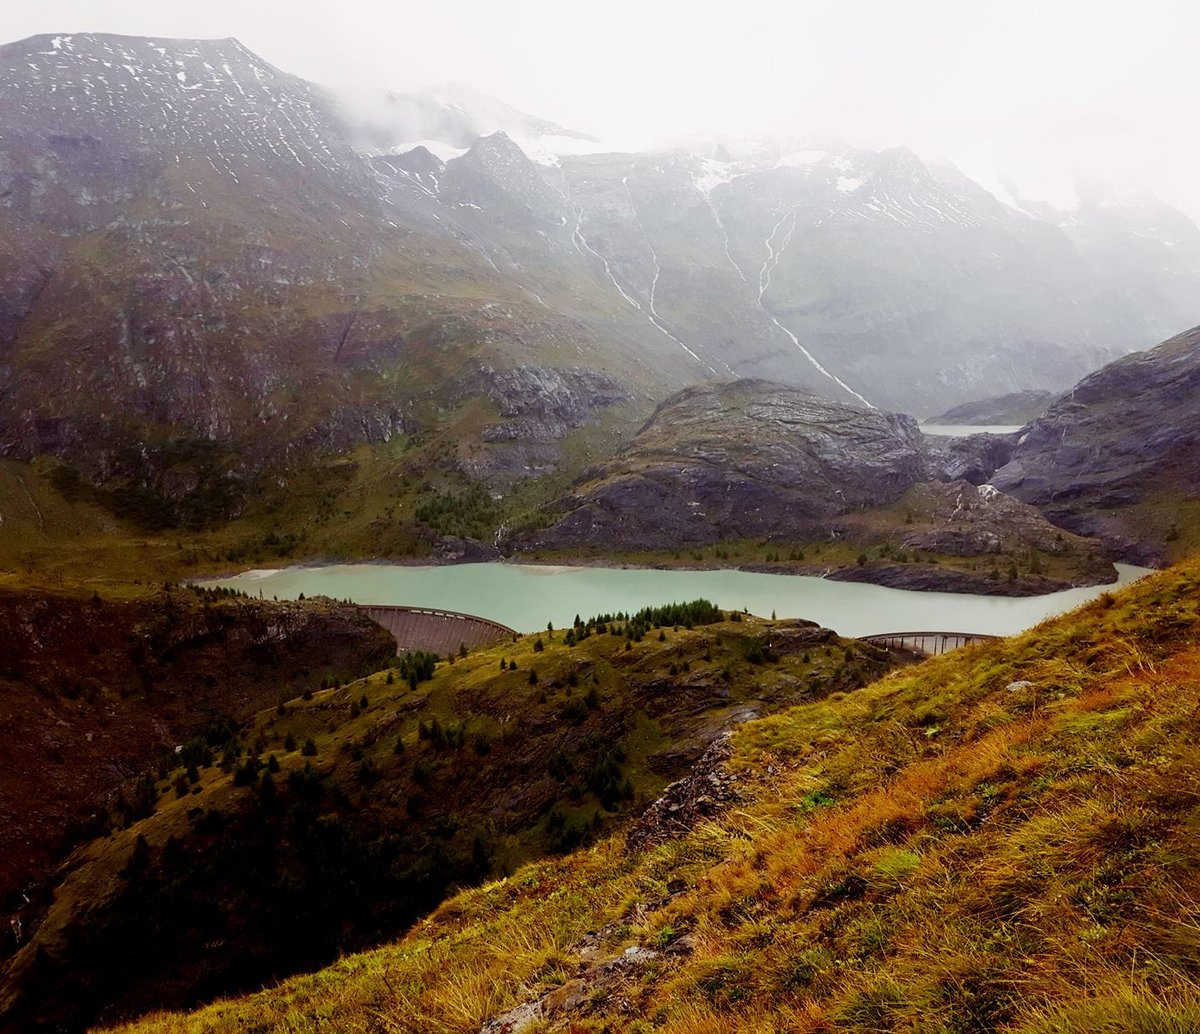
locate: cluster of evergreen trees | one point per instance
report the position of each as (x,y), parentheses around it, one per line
(634,626)
(417,666)
(470,514)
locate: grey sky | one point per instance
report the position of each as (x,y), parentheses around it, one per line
(1042,89)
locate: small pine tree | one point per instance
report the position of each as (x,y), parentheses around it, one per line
(309,750)
(533,676)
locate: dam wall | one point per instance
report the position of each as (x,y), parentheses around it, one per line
(436,631)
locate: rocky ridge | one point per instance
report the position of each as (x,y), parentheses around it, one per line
(740,459)
(755,460)
(1017,407)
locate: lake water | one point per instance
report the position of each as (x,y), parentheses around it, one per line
(962,430)
(525,597)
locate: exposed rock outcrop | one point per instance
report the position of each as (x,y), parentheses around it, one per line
(740,459)
(705,790)
(974,458)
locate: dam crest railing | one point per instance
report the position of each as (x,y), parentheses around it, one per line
(928,643)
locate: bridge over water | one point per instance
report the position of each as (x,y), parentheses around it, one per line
(928,644)
(436,631)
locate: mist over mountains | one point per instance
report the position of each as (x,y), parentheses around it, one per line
(234,203)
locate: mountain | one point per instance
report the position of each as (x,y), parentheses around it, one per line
(206,280)
(999,839)
(214,275)
(1118,456)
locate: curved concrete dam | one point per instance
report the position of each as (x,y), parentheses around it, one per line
(436,631)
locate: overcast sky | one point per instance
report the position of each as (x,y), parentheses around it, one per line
(1042,89)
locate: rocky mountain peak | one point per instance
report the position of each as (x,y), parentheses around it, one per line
(496,175)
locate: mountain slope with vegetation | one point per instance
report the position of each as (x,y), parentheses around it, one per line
(96,689)
(1002,838)
(212,277)
(331,821)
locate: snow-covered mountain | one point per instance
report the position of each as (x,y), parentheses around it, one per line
(446,120)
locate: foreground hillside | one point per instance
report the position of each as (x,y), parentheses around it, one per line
(1002,838)
(95,689)
(330,821)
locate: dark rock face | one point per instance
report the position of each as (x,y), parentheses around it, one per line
(741,459)
(1124,434)
(1017,407)
(965,520)
(974,458)
(545,403)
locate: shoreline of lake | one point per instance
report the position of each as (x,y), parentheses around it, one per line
(525,596)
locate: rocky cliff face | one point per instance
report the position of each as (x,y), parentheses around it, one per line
(1124,436)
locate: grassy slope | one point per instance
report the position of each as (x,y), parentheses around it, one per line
(938,851)
(359,505)
(516,780)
